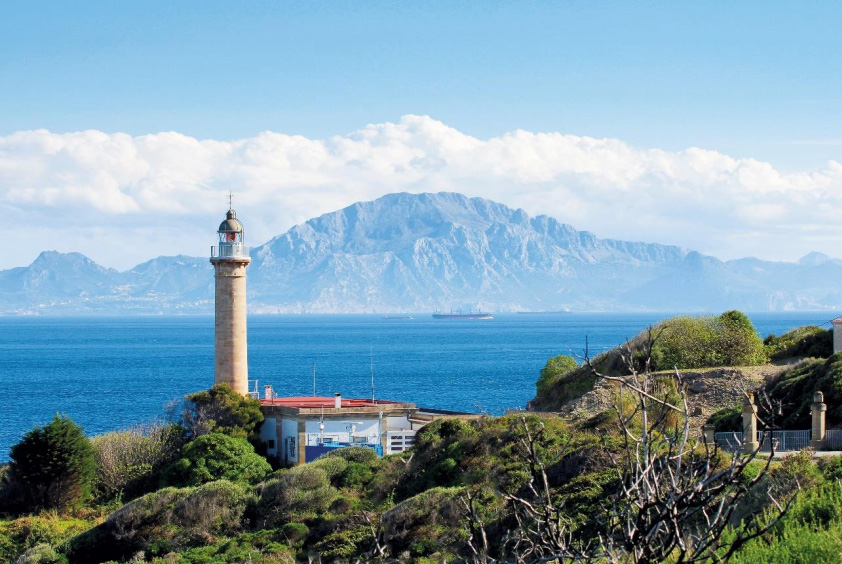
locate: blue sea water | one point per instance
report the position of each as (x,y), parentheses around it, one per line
(114,372)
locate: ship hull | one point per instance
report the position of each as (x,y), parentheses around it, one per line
(462,316)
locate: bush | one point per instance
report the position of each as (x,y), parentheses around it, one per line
(168,519)
(128,462)
(217,457)
(54,465)
(363,455)
(808,341)
(213,508)
(727,419)
(41,554)
(553,371)
(333,466)
(298,493)
(737,341)
(794,390)
(222,410)
(356,475)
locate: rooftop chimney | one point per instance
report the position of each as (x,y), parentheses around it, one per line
(337,400)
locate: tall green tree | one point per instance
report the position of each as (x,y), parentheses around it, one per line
(54,465)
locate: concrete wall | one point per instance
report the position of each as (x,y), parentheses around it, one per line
(230,344)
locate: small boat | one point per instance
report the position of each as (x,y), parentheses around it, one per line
(460,315)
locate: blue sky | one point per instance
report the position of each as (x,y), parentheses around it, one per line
(758,79)
(719,124)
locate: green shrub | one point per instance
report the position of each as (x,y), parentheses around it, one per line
(344,544)
(363,455)
(808,341)
(356,475)
(222,410)
(433,515)
(793,391)
(213,508)
(217,457)
(166,520)
(54,465)
(41,554)
(334,466)
(294,534)
(727,419)
(553,371)
(298,493)
(26,533)
(737,342)
(128,463)
(811,531)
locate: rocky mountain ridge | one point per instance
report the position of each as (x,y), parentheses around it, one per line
(413,253)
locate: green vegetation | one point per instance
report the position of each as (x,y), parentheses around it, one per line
(54,465)
(552,373)
(684,342)
(130,463)
(198,493)
(217,457)
(221,410)
(809,341)
(700,342)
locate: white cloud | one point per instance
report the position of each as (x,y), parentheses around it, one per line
(165,193)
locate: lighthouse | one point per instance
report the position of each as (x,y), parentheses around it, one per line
(230,259)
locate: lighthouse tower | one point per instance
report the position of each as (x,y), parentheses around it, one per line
(230,260)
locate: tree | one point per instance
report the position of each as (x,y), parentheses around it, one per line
(54,465)
(738,342)
(217,457)
(674,502)
(552,372)
(222,410)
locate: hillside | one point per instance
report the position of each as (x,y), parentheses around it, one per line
(422,252)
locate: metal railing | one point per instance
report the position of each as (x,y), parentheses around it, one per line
(230,250)
(783,441)
(833,439)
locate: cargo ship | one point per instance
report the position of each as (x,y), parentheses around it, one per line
(460,315)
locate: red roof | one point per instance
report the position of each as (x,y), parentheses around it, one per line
(315,402)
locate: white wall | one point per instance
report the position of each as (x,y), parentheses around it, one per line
(366,427)
(289,428)
(269,432)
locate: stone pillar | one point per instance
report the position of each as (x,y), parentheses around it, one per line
(837,334)
(750,443)
(817,410)
(231,345)
(708,435)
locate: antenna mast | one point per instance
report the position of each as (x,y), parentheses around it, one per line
(372,373)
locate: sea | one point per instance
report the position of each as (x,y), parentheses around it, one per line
(110,373)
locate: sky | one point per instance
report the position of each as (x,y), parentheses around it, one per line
(716,126)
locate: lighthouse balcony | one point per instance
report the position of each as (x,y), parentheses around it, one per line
(229,250)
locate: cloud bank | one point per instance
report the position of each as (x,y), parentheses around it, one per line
(123,199)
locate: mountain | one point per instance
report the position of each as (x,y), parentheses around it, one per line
(408,252)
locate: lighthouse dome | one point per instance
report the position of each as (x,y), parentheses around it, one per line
(231,223)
